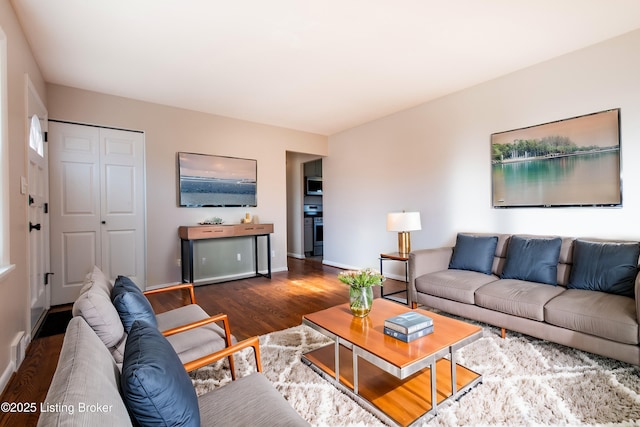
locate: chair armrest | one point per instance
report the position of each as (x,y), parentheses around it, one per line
(217,318)
(226,352)
(426,261)
(181,286)
(227,334)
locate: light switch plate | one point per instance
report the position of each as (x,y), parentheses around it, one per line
(23,185)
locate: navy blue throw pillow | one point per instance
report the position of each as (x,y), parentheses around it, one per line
(131,303)
(606,267)
(474,253)
(155,387)
(533,259)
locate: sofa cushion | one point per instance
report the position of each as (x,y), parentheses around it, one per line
(456,285)
(517,297)
(155,387)
(595,313)
(533,259)
(262,405)
(474,253)
(131,303)
(181,316)
(96,308)
(86,372)
(606,267)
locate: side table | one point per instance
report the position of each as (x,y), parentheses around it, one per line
(401,257)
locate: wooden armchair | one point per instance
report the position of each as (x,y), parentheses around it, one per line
(172,322)
(191,331)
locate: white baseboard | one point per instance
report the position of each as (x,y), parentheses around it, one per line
(6,376)
(213,280)
(351,267)
(395,276)
(161,285)
(226,278)
(339,265)
(295,255)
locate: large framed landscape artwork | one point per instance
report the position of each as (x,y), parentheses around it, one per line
(572,162)
(206,180)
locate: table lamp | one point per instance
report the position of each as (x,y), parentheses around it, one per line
(403,223)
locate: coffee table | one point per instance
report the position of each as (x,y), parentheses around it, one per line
(399,382)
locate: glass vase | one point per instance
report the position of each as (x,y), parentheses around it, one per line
(360,300)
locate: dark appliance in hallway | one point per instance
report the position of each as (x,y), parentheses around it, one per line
(313,229)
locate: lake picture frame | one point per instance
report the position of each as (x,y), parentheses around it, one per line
(566,163)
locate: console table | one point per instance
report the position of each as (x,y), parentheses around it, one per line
(188,234)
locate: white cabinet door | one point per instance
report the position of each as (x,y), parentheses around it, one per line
(96,204)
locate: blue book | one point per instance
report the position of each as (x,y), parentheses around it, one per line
(409,322)
(410,337)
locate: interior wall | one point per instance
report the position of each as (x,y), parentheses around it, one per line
(14,288)
(169,130)
(435,158)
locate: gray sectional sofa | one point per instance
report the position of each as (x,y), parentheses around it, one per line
(582,293)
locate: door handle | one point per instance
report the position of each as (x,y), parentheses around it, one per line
(33,226)
(46,278)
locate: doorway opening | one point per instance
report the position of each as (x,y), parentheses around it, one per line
(305,224)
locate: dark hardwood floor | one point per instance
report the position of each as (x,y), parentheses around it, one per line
(255,306)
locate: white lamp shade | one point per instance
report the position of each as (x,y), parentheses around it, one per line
(403,221)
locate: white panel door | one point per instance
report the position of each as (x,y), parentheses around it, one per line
(74,178)
(122,204)
(97,206)
(38,187)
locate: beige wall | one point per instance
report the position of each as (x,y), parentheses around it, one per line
(168,130)
(14,298)
(435,158)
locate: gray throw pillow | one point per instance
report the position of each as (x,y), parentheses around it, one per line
(474,253)
(606,267)
(98,311)
(533,259)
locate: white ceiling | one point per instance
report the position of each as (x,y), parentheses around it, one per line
(319,66)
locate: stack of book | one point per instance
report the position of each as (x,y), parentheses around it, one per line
(408,326)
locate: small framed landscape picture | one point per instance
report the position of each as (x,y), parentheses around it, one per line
(572,162)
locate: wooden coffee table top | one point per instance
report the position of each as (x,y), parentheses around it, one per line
(368,333)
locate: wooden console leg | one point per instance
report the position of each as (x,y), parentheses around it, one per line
(414,305)
(504,333)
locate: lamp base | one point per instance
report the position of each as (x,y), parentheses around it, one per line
(404,242)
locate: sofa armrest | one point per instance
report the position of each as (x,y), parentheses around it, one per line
(179,287)
(228,352)
(425,261)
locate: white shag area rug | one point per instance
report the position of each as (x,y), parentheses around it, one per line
(527,382)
